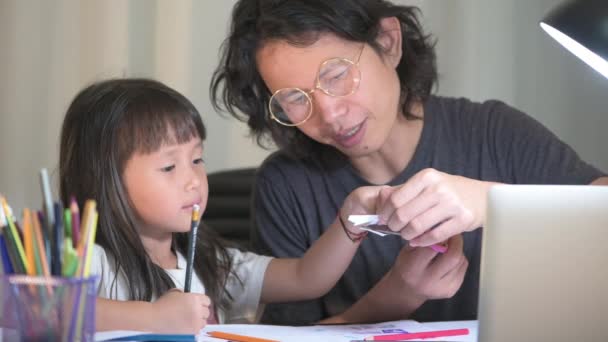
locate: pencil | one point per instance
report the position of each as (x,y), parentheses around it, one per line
(89,207)
(57,240)
(440,247)
(28,242)
(419,335)
(238,338)
(67,223)
(88,255)
(191,246)
(14,240)
(44,265)
(87,237)
(47,198)
(7,266)
(75,221)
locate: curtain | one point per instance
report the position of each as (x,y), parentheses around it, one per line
(490,49)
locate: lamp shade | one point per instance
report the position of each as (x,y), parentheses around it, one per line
(581,26)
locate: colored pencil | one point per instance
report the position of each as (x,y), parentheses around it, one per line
(44,265)
(75,221)
(57,240)
(47,198)
(67,223)
(89,207)
(28,242)
(7,266)
(14,239)
(238,338)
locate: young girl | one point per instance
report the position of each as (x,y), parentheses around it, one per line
(136,147)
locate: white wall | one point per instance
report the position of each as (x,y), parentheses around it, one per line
(495,49)
(49,50)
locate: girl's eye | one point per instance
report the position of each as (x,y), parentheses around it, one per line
(198,161)
(168,168)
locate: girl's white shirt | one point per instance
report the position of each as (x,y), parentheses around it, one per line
(249,267)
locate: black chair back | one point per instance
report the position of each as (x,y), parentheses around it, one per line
(228,207)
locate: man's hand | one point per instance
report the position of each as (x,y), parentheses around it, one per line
(432,206)
(424,274)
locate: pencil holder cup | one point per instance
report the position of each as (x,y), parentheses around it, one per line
(47,309)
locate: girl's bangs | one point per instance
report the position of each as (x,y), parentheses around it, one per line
(149,126)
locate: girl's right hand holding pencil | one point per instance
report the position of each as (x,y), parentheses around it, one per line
(180,312)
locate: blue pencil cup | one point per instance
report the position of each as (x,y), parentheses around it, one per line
(47,309)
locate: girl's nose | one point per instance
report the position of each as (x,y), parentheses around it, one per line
(194,180)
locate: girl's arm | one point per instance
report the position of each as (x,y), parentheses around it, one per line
(110,315)
(315,273)
(173,312)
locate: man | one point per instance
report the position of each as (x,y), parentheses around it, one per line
(344,90)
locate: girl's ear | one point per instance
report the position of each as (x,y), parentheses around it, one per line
(389,38)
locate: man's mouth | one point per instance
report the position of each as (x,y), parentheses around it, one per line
(352,136)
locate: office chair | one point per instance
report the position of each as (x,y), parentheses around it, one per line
(228,207)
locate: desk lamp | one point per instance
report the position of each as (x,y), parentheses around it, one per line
(581,26)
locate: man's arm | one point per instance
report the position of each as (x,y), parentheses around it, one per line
(600,181)
(379,304)
(418,274)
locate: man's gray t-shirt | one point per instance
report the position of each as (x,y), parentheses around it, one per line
(295,201)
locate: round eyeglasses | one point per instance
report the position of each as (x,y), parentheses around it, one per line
(336,77)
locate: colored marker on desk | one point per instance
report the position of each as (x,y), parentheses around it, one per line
(419,335)
(192,245)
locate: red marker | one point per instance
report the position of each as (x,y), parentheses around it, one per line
(418,335)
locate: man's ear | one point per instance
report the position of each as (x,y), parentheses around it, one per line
(389,38)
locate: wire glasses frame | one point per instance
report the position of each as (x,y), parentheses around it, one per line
(336,77)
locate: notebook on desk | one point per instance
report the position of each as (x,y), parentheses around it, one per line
(544,267)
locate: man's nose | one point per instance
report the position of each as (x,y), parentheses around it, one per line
(328,108)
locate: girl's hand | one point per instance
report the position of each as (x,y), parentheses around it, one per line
(179,312)
(432,206)
(360,201)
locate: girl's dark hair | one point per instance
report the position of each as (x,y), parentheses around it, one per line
(105,124)
(238,88)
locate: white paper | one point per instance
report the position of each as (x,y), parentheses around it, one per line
(338,333)
(341,333)
(363,220)
(366,222)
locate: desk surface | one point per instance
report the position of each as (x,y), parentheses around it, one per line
(338,333)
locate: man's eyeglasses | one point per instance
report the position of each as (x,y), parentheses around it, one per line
(336,77)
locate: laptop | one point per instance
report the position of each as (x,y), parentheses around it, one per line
(544,265)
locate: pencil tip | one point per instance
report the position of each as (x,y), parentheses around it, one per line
(195,211)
